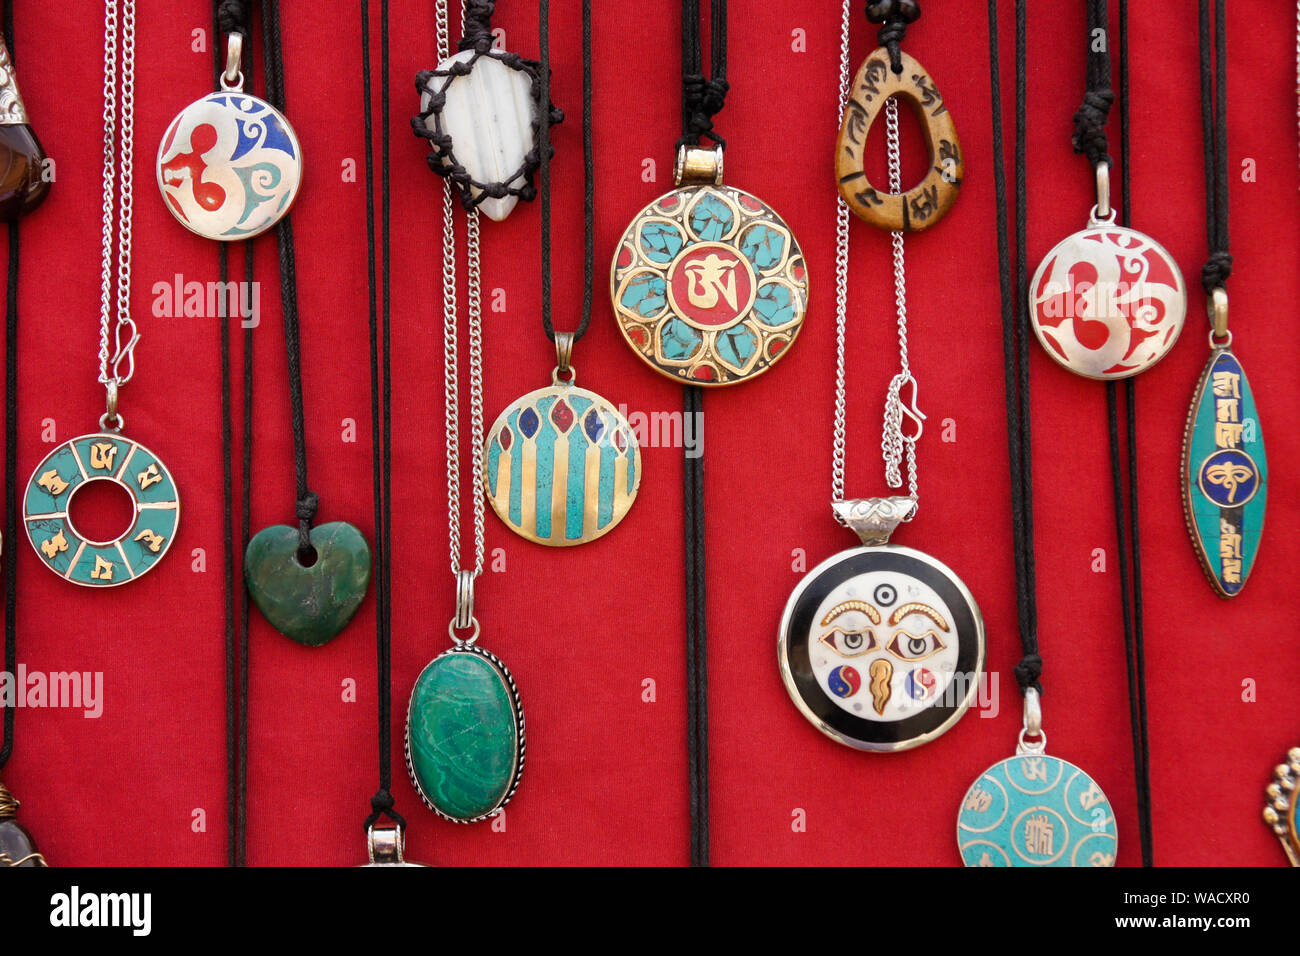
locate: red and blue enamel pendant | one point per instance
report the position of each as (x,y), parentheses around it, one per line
(709,284)
(229,165)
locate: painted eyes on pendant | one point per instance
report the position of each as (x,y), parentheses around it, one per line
(907,646)
(851,643)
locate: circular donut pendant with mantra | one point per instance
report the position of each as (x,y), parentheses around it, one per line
(709,285)
(70,467)
(229,166)
(924,204)
(1107,302)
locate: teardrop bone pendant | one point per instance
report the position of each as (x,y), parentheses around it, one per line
(1225,474)
(480,111)
(924,204)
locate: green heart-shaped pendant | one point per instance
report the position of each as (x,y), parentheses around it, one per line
(308,604)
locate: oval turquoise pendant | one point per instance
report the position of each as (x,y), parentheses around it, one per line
(465,735)
(1036,810)
(561,466)
(1225,474)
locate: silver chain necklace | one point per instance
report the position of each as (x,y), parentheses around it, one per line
(465,705)
(881,647)
(106,455)
(117,365)
(895,445)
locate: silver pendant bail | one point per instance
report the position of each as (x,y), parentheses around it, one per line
(874,519)
(233,77)
(1103,212)
(1032,739)
(387,845)
(464,600)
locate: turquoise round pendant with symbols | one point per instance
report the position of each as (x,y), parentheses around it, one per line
(1036,810)
(72,466)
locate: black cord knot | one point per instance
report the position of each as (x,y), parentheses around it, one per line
(478,26)
(1090,125)
(381,805)
(1215,272)
(1028,671)
(307,506)
(232,17)
(905,11)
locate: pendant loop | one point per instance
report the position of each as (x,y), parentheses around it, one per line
(233,77)
(874,519)
(697,166)
(1033,713)
(1103,211)
(1038,746)
(386,846)
(111,420)
(564,342)
(1216,307)
(464,600)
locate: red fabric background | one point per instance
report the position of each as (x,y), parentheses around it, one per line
(583,628)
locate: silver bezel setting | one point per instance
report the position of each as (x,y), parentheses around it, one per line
(520,747)
(787,677)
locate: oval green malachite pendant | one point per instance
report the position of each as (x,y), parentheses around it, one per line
(1225,474)
(561,466)
(465,735)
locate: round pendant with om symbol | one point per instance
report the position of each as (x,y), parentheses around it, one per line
(881,648)
(709,285)
(229,166)
(561,465)
(1036,810)
(1107,302)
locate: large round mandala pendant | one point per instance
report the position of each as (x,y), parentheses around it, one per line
(561,466)
(229,166)
(881,648)
(1036,810)
(709,285)
(1107,302)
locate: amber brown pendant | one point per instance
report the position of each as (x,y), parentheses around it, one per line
(708,283)
(23,185)
(924,204)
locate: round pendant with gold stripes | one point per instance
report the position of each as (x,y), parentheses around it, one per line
(709,285)
(104,456)
(561,465)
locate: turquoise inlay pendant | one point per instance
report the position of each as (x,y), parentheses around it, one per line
(104,456)
(708,283)
(1280,810)
(1225,474)
(465,739)
(1036,810)
(561,465)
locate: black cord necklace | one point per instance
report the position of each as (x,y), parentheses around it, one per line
(1225,470)
(308,583)
(229,17)
(23,189)
(1032,809)
(386,842)
(561,464)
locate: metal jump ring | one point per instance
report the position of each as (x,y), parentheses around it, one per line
(451,629)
